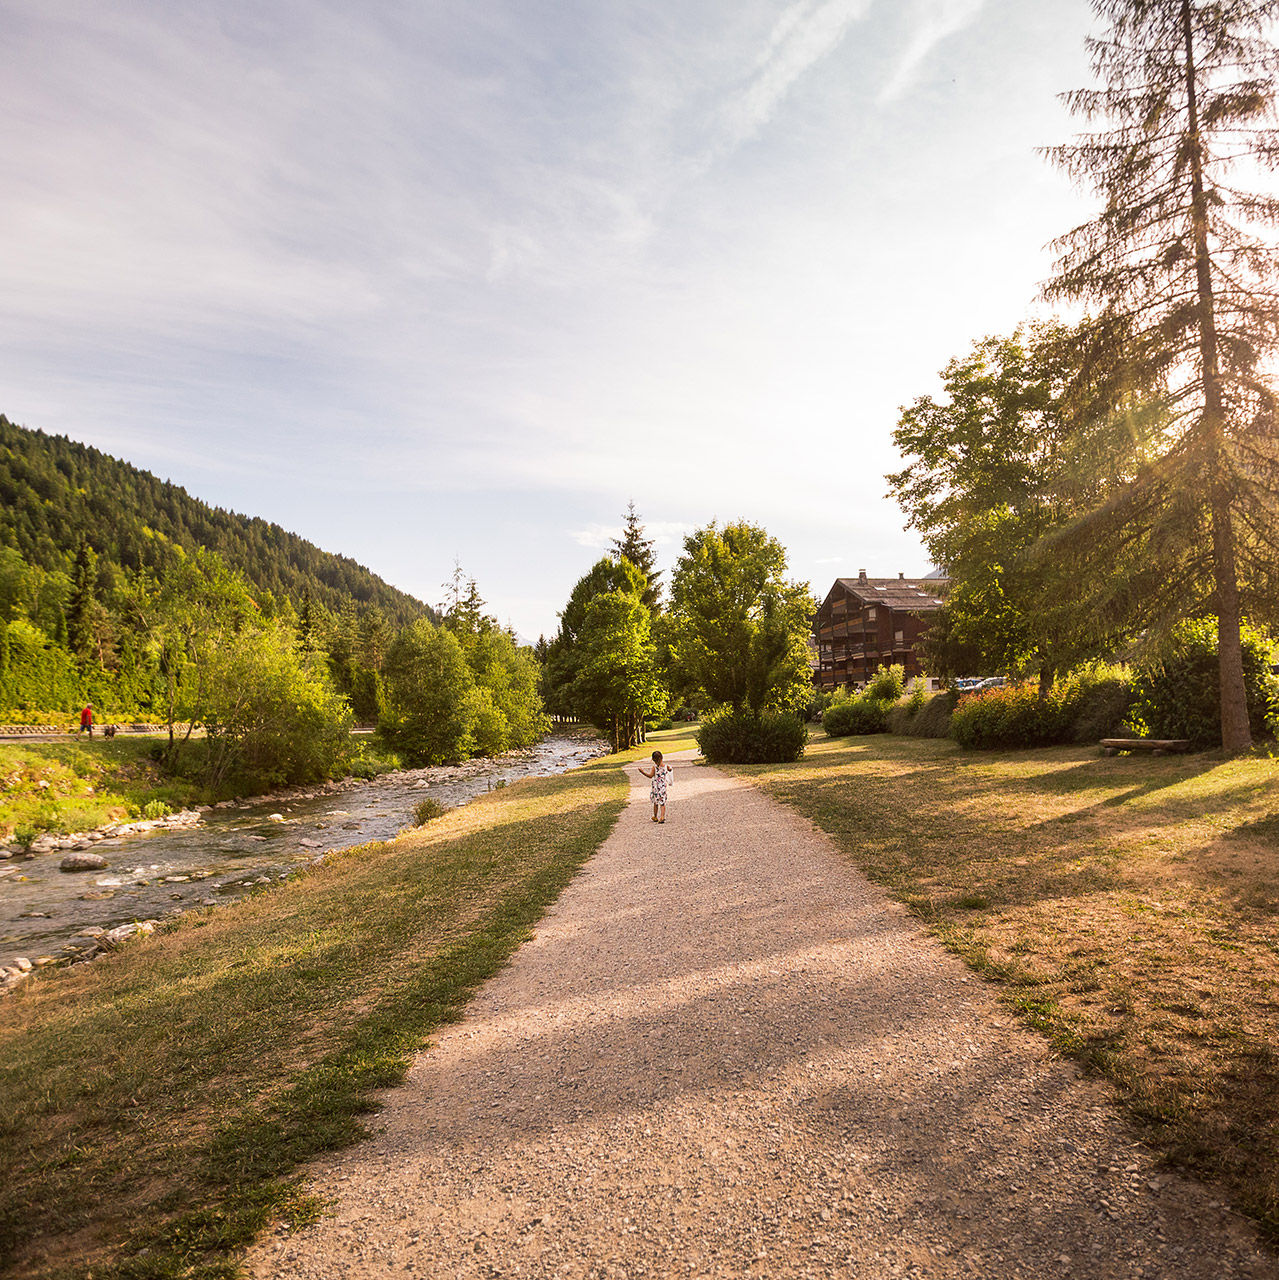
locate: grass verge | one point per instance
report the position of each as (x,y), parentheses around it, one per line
(160,1102)
(78,785)
(1128,907)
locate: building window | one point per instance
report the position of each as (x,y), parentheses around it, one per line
(900,636)
(870,614)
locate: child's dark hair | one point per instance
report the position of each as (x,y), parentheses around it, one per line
(657,757)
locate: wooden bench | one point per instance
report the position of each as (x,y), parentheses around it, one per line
(1156,746)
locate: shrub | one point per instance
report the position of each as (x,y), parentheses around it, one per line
(860,715)
(156,809)
(923,715)
(1014,716)
(904,711)
(1087,705)
(1103,707)
(23,837)
(738,737)
(818,701)
(1177,695)
(427,809)
(888,683)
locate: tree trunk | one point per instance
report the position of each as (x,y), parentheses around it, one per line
(1046,677)
(1236,732)
(1236,735)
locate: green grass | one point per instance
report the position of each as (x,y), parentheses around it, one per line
(88,783)
(159,1103)
(1128,909)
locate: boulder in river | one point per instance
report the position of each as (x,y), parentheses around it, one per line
(82,862)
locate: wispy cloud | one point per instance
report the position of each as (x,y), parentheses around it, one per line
(936,19)
(803,35)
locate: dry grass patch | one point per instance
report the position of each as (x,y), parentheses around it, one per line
(159,1102)
(1129,906)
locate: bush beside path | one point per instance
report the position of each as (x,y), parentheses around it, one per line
(727,1053)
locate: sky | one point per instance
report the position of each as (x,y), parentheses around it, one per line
(456,281)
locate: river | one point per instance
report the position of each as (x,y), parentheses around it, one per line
(45,912)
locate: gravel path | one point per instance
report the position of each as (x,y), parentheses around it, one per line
(726,1054)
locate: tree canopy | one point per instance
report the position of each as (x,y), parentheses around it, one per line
(602,664)
(981,486)
(738,627)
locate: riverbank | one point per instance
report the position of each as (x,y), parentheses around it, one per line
(162,1098)
(52,912)
(1128,909)
(79,785)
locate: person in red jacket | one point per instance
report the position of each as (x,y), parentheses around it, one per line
(86,720)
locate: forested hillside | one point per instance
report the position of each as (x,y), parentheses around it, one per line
(57,495)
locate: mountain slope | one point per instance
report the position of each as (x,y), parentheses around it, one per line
(56,493)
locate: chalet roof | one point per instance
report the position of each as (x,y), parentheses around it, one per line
(915,594)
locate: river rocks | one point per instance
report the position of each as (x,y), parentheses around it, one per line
(275,817)
(174,822)
(82,862)
(112,938)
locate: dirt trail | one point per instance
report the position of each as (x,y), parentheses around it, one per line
(726,1054)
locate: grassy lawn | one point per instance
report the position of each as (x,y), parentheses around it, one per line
(159,1102)
(88,783)
(1128,907)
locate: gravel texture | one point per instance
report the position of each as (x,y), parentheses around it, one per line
(725,1053)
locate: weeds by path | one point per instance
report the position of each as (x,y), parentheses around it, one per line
(1129,907)
(159,1103)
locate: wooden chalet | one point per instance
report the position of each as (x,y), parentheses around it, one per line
(865,623)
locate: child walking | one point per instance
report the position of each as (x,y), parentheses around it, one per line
(657,792)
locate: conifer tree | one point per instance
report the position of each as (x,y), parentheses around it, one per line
(1181,263)
(638,549)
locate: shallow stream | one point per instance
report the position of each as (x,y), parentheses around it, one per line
(236,849)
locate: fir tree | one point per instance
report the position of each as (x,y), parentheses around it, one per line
(1188,318)
(638,549)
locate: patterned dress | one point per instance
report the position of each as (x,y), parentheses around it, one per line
(657,792)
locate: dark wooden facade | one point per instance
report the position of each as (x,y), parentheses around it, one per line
(865,623)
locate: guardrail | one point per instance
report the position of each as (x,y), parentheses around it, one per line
(71,731)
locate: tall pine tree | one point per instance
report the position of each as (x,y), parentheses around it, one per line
(638,549)
(1181,263)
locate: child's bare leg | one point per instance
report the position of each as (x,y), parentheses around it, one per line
(654,813)
(663,817)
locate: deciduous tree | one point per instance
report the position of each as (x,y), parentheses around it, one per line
(738,627)
(617,683)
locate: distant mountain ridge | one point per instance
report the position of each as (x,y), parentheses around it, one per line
(56,493)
